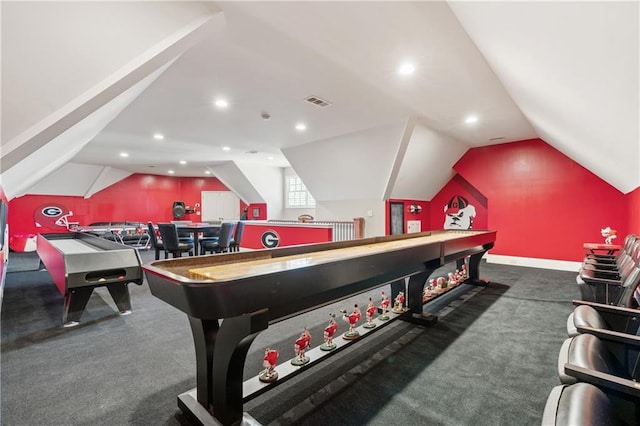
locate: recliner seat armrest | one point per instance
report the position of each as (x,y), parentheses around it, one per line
(592,280)
(611,335)
(601,307)
(603,380)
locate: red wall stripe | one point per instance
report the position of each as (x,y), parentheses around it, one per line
(634,211)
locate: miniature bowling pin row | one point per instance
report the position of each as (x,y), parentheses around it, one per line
(439,285)
(303,343)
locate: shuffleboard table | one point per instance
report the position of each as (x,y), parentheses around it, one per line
(80,262)
(250,290)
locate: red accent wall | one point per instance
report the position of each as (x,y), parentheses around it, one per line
(543,204)
(633,199)
(4,240)
(288,235)
(458,186)
(137,198)
(423,216)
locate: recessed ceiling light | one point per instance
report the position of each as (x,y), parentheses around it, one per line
(406,69)
(226,148)
(221,103)
(158,136)
(269,158)
(471,119)
(183,162)
(171,172)
(301,127)
(207,172)
(124,154)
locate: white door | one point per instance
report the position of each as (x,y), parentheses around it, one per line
(220,205)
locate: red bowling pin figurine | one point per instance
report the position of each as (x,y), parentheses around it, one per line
(370,312)
(329,332)
(269,374)
(352,319)
(398,304)
(384,307)
(300,347)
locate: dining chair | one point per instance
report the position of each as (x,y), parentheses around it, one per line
(185,236)
(224,240)
(171,241)
(155,243)
(211,236)
(237,237)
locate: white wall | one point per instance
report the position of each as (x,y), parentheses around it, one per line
(346,210)
(427,164)
(268,181)
(347,167)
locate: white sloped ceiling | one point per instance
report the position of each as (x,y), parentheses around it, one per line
(80,45)
(427,164)
(350,167)
(573,69)
(566,72)
(53,136)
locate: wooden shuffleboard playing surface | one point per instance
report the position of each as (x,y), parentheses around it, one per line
(264,266)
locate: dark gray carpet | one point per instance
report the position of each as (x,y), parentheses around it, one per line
(22,262)
(490,360)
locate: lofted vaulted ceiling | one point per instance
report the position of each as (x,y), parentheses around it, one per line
(89,80)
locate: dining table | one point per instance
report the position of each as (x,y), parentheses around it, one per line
(196,229)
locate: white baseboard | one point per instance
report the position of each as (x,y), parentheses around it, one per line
(558,265)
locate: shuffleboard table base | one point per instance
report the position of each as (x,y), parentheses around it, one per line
(244,329)
(189,405)
(230,299)
(424,319)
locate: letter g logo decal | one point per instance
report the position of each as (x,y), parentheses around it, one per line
(270,239)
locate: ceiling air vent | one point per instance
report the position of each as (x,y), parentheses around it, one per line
(253,151)
(496,139)
(317,101)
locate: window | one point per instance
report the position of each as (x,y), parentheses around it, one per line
(297,194)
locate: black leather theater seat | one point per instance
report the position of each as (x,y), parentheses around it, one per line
(578,404)
(587,317)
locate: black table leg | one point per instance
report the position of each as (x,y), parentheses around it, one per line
(120,294)
(415,290)
(196,243)
(474,269)
(220,355)
(75,300)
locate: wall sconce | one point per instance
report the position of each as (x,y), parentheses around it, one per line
(415,208)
